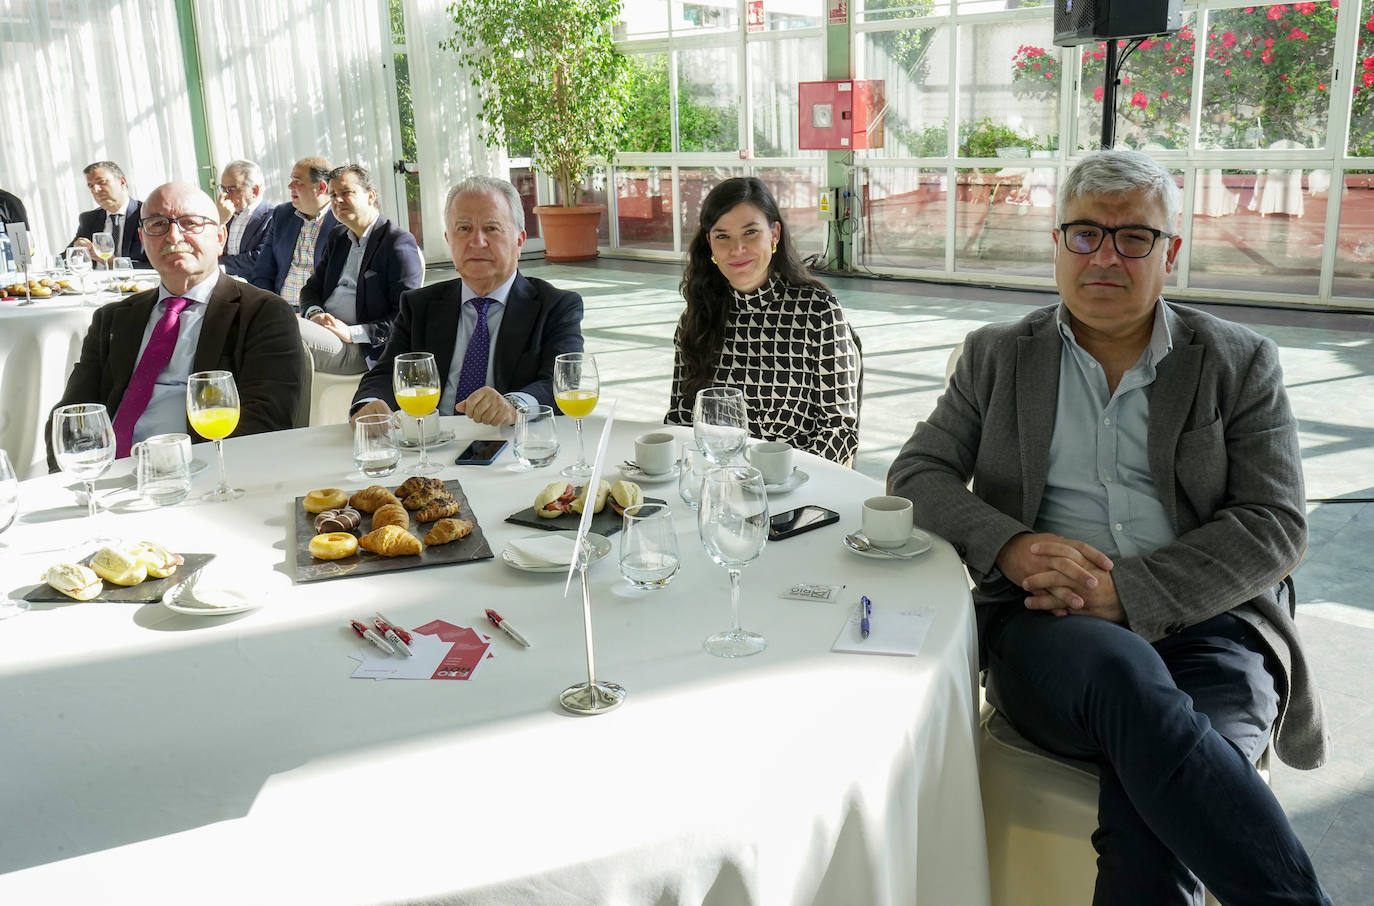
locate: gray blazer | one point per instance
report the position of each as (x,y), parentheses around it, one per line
(1223,452)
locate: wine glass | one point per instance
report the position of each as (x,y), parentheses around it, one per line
(83,442)
(9,492)
(415,381)
(719,423)
(576,388)
(103,243)
(732,517)
(79,263)
(212,406)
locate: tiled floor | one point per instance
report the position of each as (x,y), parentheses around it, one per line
(908,330)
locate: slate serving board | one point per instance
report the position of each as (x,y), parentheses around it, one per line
(146,592)
(607,522)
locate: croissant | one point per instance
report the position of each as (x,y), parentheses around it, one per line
(390,514)
(390,541)
(438,510)
(369,499)
(424,497)
(418,483)
(446,530)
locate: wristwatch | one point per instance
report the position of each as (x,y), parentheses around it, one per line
(517,402)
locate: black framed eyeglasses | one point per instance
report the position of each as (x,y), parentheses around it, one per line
(187,223)
(1083,237)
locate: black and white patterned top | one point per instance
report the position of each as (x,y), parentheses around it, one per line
(791,351)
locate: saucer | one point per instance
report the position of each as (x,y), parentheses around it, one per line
(639,476)
(918,543)
(790,483)
(444,437)
(208,602)
(601,546)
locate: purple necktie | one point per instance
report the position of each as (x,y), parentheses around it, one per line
(155,357)
(474,373)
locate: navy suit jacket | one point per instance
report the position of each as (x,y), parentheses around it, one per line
(274,254)
(241,265)
(12,209)
(92,222)
(391,265)
(540,322)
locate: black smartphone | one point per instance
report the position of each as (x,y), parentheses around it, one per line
(480,453)
(802,519)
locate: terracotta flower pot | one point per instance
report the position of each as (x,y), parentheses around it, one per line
(569,233)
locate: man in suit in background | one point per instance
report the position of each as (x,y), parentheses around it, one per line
(349,303)
(243,215)
(296,232)
(1136,506)
(494,333)
(12,210)
(117,214)
(139,351)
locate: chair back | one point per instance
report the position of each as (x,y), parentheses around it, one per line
(301,417)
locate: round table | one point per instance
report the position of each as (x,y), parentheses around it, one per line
(154,757)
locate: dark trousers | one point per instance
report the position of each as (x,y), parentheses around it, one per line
(1176,727)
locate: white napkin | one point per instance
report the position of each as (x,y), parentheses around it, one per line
(542,550)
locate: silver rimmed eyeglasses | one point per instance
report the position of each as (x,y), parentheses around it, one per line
(1083,237)
(187,223)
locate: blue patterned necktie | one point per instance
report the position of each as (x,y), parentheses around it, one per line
(474,373)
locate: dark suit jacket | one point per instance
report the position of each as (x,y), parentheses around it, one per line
(274,254)
(246,330)
(241,265)
(12,209)
(1223,452)
(391,265)
(539,323)
(92,222)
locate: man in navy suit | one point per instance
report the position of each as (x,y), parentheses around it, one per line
(243,215)
(295,232)
(117,214)
(527,321)
(351,300)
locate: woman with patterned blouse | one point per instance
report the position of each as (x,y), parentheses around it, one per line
(757,321)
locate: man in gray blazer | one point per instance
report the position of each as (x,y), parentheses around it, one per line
(1135,508)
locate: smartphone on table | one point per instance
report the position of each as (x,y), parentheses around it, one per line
(802,519)
(480,453)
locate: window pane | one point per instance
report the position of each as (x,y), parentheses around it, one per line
(984,6)
(1355,238)
(644,207)
(1003,220)
(777,67)
(1002,105)
(914,64)
(781,15)
(707,99)
(523,180)
(796,190)
(1272,240)
(704,15)
(1362,104)
(1154,97)
(906,217)
(642,19)
(649,119)
(593,192)
(883,10)
(1267,74)
(694,183)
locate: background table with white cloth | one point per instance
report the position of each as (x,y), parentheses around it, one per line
(152,757)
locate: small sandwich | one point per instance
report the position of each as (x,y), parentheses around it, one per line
(625,494)
(159,561)
(554,500)
(119,567)
(74,581)
(603,489)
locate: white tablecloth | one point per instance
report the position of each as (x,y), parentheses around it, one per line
(151,757)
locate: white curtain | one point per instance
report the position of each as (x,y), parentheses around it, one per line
(289,80)
(447,131)
(88,80)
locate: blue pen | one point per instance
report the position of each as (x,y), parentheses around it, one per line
(865,611)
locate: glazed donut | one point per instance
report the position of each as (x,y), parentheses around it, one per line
(333,546)
(325,499)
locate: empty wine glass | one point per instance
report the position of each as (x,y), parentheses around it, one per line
(103,243)
(576,388)
(9,492)
(720,424)
(212,407)
(415,383)
(732,518)
(83,443)
(79,263)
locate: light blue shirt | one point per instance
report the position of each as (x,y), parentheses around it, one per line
(166,412)
(1099,488)
(467,326)
(343,301)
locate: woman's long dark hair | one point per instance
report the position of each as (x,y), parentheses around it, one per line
(707,292)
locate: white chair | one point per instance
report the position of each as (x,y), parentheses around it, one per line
(331,396)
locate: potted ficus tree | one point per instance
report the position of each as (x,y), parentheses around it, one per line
(553,85)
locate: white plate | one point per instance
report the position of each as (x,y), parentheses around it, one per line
(641,477)
(791,483)
(601,546)
(918,543)
(208,602)
(444,437)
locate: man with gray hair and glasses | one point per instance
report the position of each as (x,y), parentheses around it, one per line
(494,332)
(243,215)
(1135,509)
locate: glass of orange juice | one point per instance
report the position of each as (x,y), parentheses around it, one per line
(415,381)
(212,407)
(576,388)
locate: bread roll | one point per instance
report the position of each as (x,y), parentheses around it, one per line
(119,567)
(603,488)
(625,494)
(74,581)
(554,500)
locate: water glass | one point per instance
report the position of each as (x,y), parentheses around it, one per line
(536,437)
(123,268)
(375,451)
(162,466)
(9,492)
(720,423)
(648,546)
(694,467)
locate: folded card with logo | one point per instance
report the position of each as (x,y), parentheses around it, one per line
(440,651)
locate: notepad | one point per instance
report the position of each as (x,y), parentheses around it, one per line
(900,632)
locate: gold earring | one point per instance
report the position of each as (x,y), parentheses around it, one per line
(713,260)
(775,246)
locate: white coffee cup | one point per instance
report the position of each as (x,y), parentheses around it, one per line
(773,459)
(655,452)
(163,468)
(888,521)
(410,428)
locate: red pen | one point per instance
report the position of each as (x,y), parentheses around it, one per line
(500,623)
(393,635)
(395,627)
(371,636)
